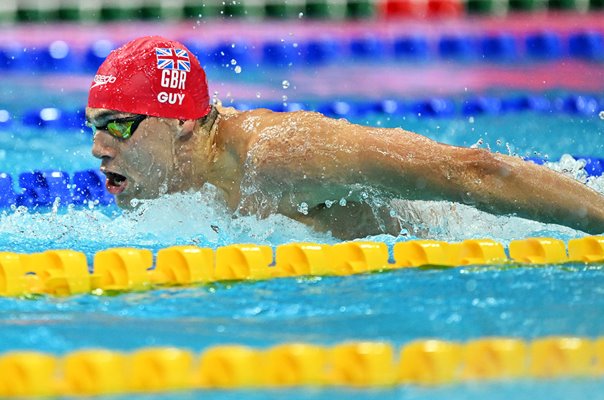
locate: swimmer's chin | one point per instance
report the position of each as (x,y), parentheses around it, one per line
(125,203)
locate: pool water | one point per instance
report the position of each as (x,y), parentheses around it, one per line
(523,390)
(396,306)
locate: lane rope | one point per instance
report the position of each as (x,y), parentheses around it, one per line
(500,48)
(349,364)
(586,105)
(66,272)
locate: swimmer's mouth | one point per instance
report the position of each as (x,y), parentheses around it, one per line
(115,183)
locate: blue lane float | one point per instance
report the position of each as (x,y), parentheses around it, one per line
(45,189)
(458,48)
(479,105)
(96,53)
(502,47)
(281,54)
(228,54)
(586,105)
(586,45)
(434,107)
(54,118)
(411,48)
(322,51)
(546,45)
(580,104)
(369,48)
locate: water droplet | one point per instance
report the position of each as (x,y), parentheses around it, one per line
(329,203)
(284,98)
(301,15)
(468,198)
(477,144)
(233,62)
(342,202)
(303,208)
(237,69)
(258,95)
(601,115)
(509,149)
(285,84)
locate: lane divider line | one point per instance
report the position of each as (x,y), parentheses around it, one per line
(587,105)
(66,272)
(365,364)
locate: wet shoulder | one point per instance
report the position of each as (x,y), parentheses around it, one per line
(264,121)
(245,121)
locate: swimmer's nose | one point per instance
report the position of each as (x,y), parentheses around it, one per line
(101,147)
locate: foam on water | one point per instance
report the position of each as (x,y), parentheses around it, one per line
(200,218)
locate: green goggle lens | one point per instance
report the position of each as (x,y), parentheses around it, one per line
(119,128)
(122,130)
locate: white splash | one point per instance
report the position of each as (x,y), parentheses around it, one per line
(570,167)
(452,222)
(198,218)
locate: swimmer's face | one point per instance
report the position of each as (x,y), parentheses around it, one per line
(140,167)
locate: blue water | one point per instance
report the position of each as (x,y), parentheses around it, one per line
(397,306)
(523,390)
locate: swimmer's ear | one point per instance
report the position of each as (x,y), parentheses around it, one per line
(185,129)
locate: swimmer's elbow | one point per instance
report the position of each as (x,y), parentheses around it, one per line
(484,172)
(484,163)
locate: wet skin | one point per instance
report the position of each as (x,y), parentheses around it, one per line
(298,163)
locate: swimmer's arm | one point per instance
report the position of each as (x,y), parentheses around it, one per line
(336,158)
(418,168)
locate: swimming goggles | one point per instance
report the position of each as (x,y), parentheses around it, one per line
(121,128)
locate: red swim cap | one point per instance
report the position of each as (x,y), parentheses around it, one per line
(154,76)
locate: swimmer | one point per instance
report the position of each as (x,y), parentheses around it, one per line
(157,132)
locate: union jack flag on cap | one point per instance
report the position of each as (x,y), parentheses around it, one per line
(170,58)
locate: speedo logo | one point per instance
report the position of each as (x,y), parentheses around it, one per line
(100,80)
